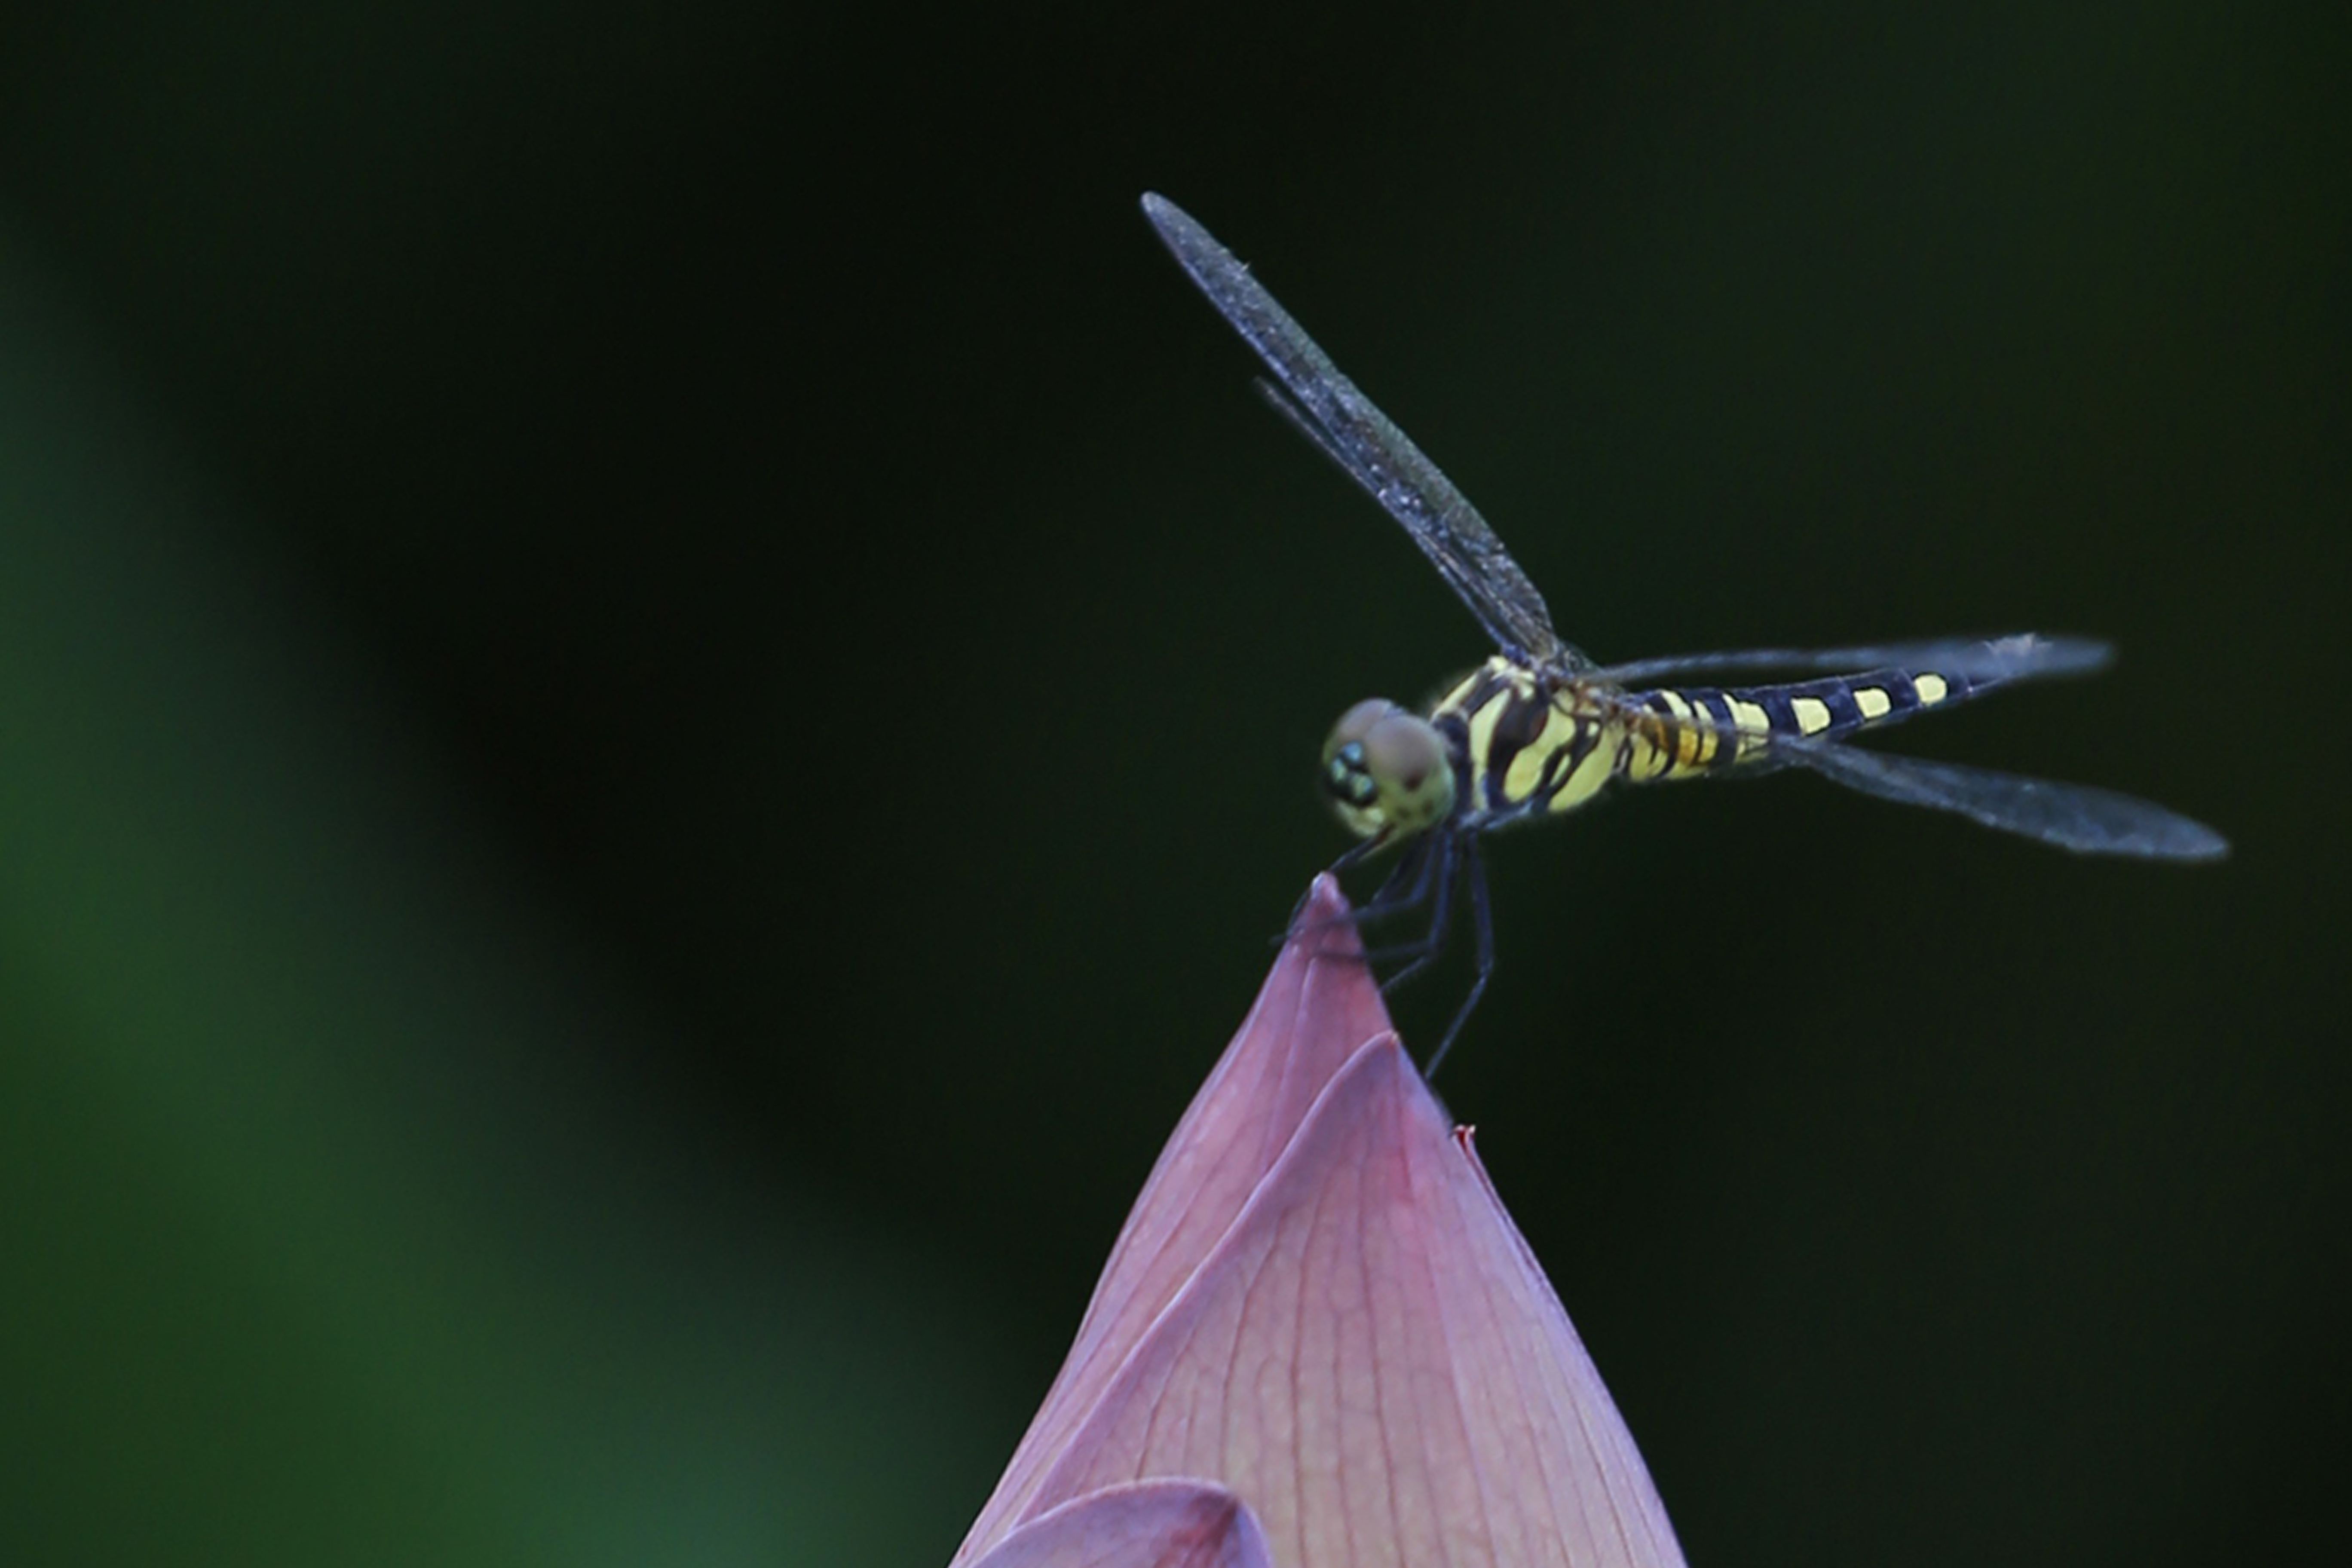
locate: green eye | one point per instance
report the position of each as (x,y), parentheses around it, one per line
(1387,771)
(1540,729)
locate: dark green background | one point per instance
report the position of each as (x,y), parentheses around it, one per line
(657,684)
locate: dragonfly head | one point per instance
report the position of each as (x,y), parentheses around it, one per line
(1387,771)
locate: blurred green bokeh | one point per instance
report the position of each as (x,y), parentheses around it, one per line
(655,685)
(332,1232)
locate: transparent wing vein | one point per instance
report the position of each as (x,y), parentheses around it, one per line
(1353,433)
(2023,655)
(2080,817)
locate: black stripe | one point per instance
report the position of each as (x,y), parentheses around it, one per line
(1564,761)
(1674,724)
(1515,727)
(1717,709)
(1836,693)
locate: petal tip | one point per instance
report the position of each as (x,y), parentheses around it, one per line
(1325,923)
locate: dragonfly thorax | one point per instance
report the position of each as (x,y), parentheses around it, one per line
(1540,729)
(1387,771)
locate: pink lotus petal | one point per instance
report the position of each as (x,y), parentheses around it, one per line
(1350,1334)
(1145,1524)
(1316,1007)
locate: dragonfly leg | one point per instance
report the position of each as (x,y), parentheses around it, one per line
(1482,916)
(1361,851)
(1406,889)
(1434,886)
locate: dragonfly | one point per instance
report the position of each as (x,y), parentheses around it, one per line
(1540,729)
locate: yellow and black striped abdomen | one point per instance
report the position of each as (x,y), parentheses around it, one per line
(1525,745)
(1679,733)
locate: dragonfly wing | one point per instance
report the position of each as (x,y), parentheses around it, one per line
(2071,816)
(2021,657)
(1352,433)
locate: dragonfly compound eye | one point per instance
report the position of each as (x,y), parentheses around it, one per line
(1540,729)
(1387,771)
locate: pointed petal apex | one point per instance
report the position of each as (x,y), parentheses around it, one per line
(1318,1005)
(1321,1303)
(1371,1360)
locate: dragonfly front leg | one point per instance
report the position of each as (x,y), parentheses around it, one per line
(1356,853)
(1482,917)
(1434,886)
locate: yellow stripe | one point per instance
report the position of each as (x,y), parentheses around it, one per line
(1527,771)
(1584,781)
(1699,740)
(1482,724)
(1752,722)
(1931,687)
(1873,702)
(1812,713)
(1688,734)
(1645,758)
